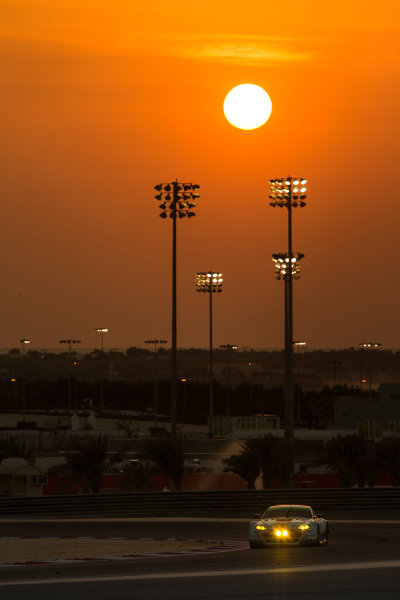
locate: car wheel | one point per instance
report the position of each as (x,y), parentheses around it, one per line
(322,541)
(255,545)
(326,535)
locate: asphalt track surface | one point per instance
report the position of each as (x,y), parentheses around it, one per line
(362,560)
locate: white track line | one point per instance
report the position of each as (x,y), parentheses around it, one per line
(388,564)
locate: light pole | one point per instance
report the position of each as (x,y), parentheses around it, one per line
(369,346)
(336,364)
(15,392)
(23,342)
(228,349)
(155,344)
(101,330)
(288,269)
(210,283)
(299,344)
(184,381)
(176,200)
(69,342)
(288,193)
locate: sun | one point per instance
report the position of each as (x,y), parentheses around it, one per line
(247,106)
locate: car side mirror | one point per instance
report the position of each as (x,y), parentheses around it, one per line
(257,516)
(320,517)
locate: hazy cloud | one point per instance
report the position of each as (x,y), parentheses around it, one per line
(241,49)
(236,48)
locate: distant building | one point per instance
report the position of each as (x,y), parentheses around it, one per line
(350,412)
(244,427)
(17,478)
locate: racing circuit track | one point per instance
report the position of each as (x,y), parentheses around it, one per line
(362,560)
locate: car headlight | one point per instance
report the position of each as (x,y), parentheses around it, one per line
(279,533)
(261,527)
(303,527)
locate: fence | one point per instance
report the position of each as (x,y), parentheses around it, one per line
(196,504)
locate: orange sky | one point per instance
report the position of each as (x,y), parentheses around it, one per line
(102,100)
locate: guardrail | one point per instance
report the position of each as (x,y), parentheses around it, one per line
(201,504)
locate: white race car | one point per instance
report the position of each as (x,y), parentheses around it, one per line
(288,524)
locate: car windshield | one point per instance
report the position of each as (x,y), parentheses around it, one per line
(287,512)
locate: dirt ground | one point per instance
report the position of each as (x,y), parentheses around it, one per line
(47,549)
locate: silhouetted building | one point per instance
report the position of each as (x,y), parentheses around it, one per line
(349,411)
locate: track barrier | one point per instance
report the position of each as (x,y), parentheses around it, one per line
(196,504)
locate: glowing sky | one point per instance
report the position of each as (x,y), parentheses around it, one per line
(100,101)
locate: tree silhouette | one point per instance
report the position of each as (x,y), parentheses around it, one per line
(245,464)
(388,458)
(347,456)
(266,455)
(135,478)
(168,455)
(86,461)
(272,458)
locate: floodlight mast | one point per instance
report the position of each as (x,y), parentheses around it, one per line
(101,330)
(155,343)
(289,192)
(228,349)
(179,204)
(288,269)
(210,282)
(69,341)
(23,342)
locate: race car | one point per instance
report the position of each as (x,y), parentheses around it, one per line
(288,524)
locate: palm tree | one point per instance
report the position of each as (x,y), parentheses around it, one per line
(87,460)
(168,455)
(135,478)
(266,455)
(347,456)
(388,458)
(270,454)
(245,465)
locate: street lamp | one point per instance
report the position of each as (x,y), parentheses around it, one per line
(289,193)
(184,381)
(176,200)
(69,342)
(228,349)
(101,330)
(336,364)
(155,344)
(23,342)
(299,344)
(369,345)
(210,283)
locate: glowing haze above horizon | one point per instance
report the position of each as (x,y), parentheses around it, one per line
(101,101)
